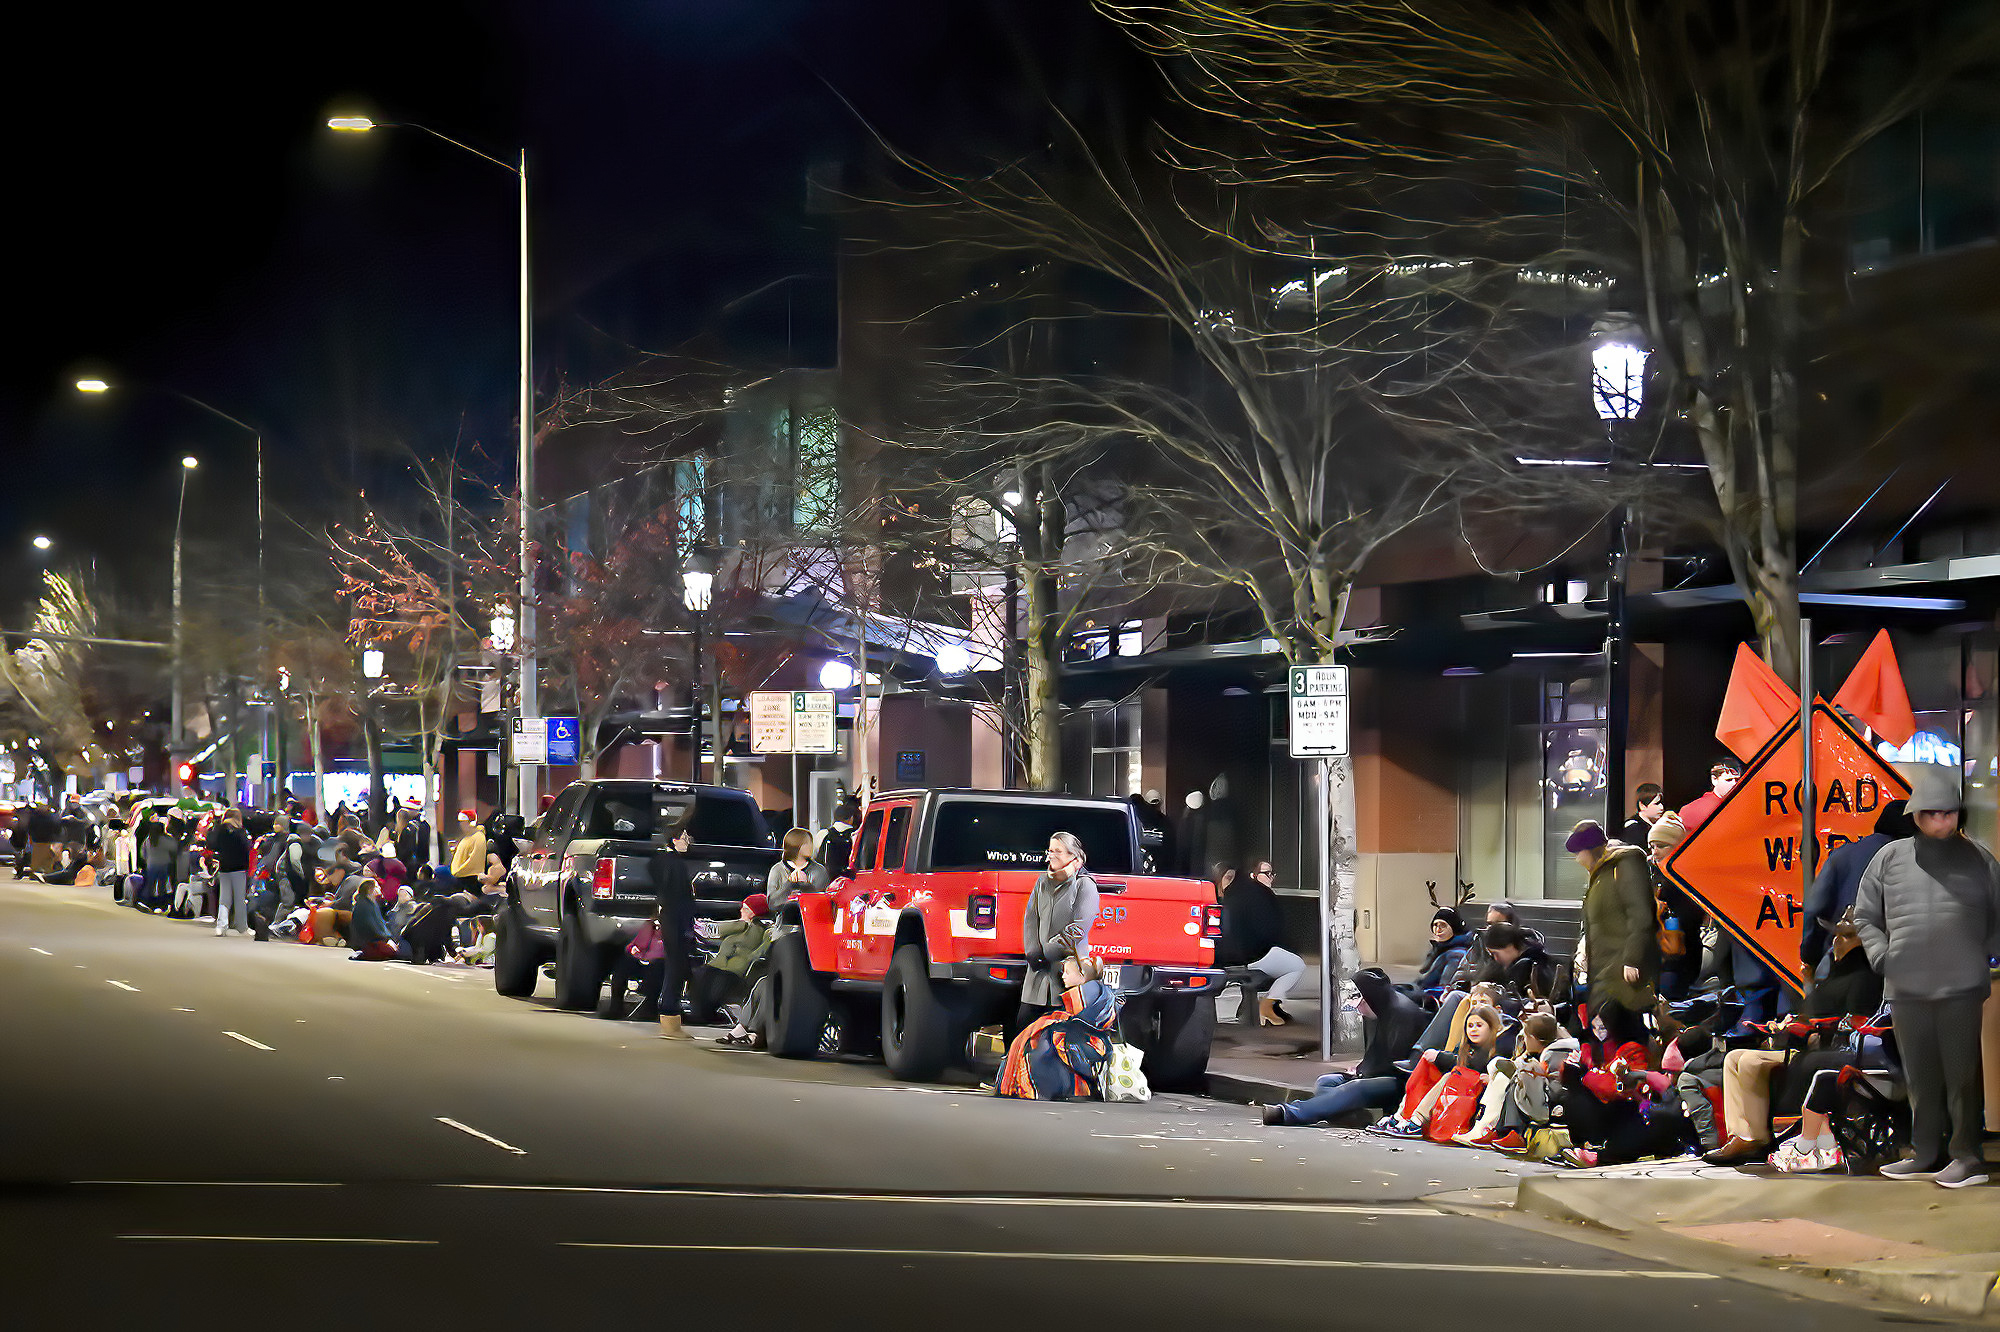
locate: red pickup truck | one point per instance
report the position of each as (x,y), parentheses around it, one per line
(918,944)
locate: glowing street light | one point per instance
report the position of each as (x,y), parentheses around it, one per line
(43,543)
(371,663)
(836,675)
(190,462)
(501,629)
(953,659)
(352,124)
(92,386)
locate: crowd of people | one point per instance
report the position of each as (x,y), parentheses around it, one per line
(1635,1049)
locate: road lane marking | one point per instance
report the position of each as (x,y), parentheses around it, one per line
(207,1183)
(131,989)
(237,1035)
(955,1200)
(1169,1137)
(1150,1259)
(276,1239)
(483,1137)
(43,951)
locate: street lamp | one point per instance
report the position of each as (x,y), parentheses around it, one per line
(371,663)
(92,386)
(1617,390)
(528,687)
(176,738)
(836,675)
(697,594)
(953,659)
(43,543)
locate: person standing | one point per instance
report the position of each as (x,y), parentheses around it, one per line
(1652,803)
(230,845)
(1722,779)
(468,857)
(1062,906)
(1620,927)
(674,886)
(1681,917)
(1928,912)
(836,844)
(795,872)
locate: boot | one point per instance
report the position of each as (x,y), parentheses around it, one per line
(670,1029)
(1267,1013)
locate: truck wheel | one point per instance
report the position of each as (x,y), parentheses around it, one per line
(514,966)
(1177,1058)
(916,1020)
(579,970)
(800,1000)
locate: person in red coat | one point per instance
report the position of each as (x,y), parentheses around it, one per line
(1722,779)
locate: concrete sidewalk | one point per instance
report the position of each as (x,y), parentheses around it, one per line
(1911,1240)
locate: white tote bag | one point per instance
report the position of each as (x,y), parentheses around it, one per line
(1124,1080)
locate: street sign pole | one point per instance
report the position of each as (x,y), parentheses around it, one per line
(1323,853)
(1318,698)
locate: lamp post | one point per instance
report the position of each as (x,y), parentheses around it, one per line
(697,593)
(527,690)
(257,437)
(176,739)
(1617,388)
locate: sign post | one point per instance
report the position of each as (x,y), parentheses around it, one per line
(562,742)
(795,721)
(530,740)
(1317,699)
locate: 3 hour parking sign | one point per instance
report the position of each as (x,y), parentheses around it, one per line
(1318,696)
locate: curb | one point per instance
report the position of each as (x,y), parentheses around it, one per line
(1963,1284)
(1242,1089)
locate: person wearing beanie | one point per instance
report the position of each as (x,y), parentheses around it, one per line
(739,944)
(1449,940)
(1928,914)
(1620,928)
(1681,917)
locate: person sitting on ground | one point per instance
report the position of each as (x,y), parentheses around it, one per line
(1698,1080)
(1377,1082)
(1449,940)
(1760,1085)
(796,871)
(1604,1088)
(1253,936)
(1061,1055)
(739,943)
(1815,1079)
(638,962)
(1420,1097)
(1518,964)
(1496,1103)
(1474,962)
(369,929)
(333,911)
(1534,1086)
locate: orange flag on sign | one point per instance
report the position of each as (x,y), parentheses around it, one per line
(1757,704)
(1875,693)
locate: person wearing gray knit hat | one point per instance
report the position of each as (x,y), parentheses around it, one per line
(1928,912)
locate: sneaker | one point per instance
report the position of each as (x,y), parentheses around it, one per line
(1406,1128)
(1910,1169)
(1510,1143)
(1582,1157)
(1797,1157)
(1961,1175)
(1470,1138)
(1274,1115)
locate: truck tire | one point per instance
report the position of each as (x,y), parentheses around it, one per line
(917,1021)
(580,970)
(1177,1055)
(515,966)
(800,1000)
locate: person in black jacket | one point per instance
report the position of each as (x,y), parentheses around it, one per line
(1253,935)
(674,886)
(1517,962)
(230,846)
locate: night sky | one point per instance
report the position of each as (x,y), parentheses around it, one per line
(183,221)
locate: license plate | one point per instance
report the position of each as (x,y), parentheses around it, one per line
(1111,975)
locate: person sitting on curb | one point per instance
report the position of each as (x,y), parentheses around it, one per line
(1377,1082)
(1061,1055)
(1482,1037)
(739,944)
(368,927)
(1449,940)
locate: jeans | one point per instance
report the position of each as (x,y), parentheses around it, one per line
(153,885)
(1337,1094)
(1439,1031)
(232,900)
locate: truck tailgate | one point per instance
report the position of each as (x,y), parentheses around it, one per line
(1140,918)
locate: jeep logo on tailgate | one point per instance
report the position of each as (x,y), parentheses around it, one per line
(1113,914)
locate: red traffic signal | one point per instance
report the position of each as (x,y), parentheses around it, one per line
(188,774)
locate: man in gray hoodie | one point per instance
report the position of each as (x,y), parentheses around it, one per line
(1928,912)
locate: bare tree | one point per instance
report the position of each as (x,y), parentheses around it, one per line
(1691,152)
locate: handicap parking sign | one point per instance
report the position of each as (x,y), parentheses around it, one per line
(564,740)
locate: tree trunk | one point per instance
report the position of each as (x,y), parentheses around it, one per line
(378,788)
(1342,953)
(319,760)
(1040,703)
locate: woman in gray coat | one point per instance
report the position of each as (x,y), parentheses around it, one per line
(1928,912)
(1061,909)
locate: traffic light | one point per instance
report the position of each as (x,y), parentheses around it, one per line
(188,774)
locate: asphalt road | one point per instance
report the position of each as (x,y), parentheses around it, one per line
(214,1129)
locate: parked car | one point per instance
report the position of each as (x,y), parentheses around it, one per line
(920,944)
(582,885)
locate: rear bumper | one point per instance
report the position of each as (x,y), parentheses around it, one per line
(1134,978)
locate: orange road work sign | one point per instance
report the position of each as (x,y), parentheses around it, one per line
(1745,864)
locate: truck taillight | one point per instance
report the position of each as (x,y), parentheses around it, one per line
(981,910)
(1211,922)
(604,880)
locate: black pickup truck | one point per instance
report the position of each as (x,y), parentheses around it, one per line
(582,884)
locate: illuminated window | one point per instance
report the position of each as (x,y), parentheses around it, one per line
(816,472)
(691,497)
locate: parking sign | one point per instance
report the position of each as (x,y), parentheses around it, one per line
(1318,698)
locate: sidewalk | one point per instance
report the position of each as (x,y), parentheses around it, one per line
(1249,1065)
(1906,1239)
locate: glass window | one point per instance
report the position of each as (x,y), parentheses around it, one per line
(899,837)
(727,821)
(976,835)
(816,473)
(871,835)
(556,821)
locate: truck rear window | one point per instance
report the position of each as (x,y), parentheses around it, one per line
(972,835)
